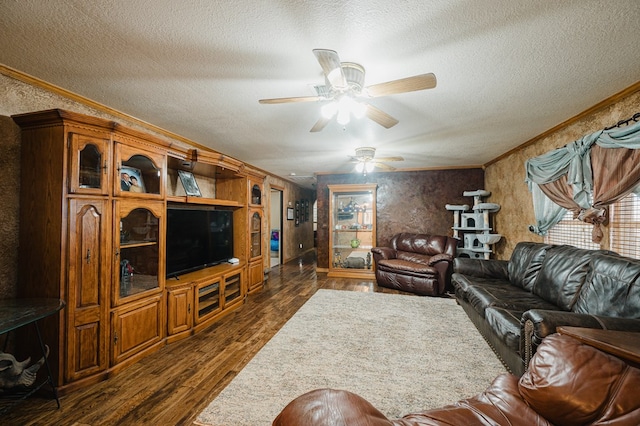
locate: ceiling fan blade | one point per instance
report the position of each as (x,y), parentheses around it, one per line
(294,99)
(380,117)
(383,166)
(409,84)
(389,159)
(330,63)
(320,124)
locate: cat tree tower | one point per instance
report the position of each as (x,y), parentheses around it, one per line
(475,226)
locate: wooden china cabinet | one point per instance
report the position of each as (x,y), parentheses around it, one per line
(87,240)
(352,230)
(94,199)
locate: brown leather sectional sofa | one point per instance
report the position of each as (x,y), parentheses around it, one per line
(416,263)
(568,383)
(515,304)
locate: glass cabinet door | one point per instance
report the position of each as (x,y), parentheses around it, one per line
(138,250)
(89,162)
(139,173)
(256,235)
(353,215)
(256,195)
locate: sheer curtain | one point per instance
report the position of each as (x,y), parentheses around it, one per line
(584,177)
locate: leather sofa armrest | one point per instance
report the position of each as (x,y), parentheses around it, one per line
(536,324)
(321,407)
(438,258)
(481,267)
(380,253)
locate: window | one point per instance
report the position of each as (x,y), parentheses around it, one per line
(624,226)
(573,232)
(624,229)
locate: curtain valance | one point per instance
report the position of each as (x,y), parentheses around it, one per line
(564,179)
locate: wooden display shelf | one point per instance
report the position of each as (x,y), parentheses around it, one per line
(204,201)
(206,273)
(131,244)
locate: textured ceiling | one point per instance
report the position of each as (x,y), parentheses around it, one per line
(507,70)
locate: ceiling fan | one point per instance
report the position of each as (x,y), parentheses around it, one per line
(346,94)
(366,162)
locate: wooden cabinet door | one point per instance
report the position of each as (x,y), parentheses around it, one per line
(88,304)
(89,161)
(233,289)
(179,309)
(256,275)
(136,327)
(208,301)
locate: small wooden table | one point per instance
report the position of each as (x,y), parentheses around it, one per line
(623,344)
(16,313)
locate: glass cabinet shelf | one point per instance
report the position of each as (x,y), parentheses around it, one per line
(138,255)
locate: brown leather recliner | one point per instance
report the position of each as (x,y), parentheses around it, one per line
(568,383)
(417,263)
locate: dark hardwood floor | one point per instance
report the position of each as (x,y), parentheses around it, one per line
(172,386)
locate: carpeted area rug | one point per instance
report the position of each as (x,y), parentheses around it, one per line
(401,353)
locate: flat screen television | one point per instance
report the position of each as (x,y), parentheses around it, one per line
(197,237)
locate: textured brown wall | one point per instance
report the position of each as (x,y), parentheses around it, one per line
(505,178)
(406,202)
(9,208)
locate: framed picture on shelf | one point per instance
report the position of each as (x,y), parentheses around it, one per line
(189,183)
(131,180)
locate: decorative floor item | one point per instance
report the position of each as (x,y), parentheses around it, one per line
(401,353)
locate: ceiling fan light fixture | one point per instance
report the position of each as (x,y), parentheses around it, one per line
(343,116)
(369,166)
(329,110)
(365,166)
(359,109)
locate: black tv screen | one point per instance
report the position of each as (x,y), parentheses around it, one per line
(197,237)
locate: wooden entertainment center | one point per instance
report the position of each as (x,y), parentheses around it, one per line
(93,206)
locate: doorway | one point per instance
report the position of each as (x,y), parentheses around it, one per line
(275,227)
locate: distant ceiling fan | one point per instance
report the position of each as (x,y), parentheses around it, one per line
(344,89)
(366,162)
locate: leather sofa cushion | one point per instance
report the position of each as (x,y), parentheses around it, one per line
(397,265)
(500,403)
(570,383)
(525,263)
(462,283)
(505,323)
(494,295)
(422,259)
(423,244)
(563,272)
(612,287)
